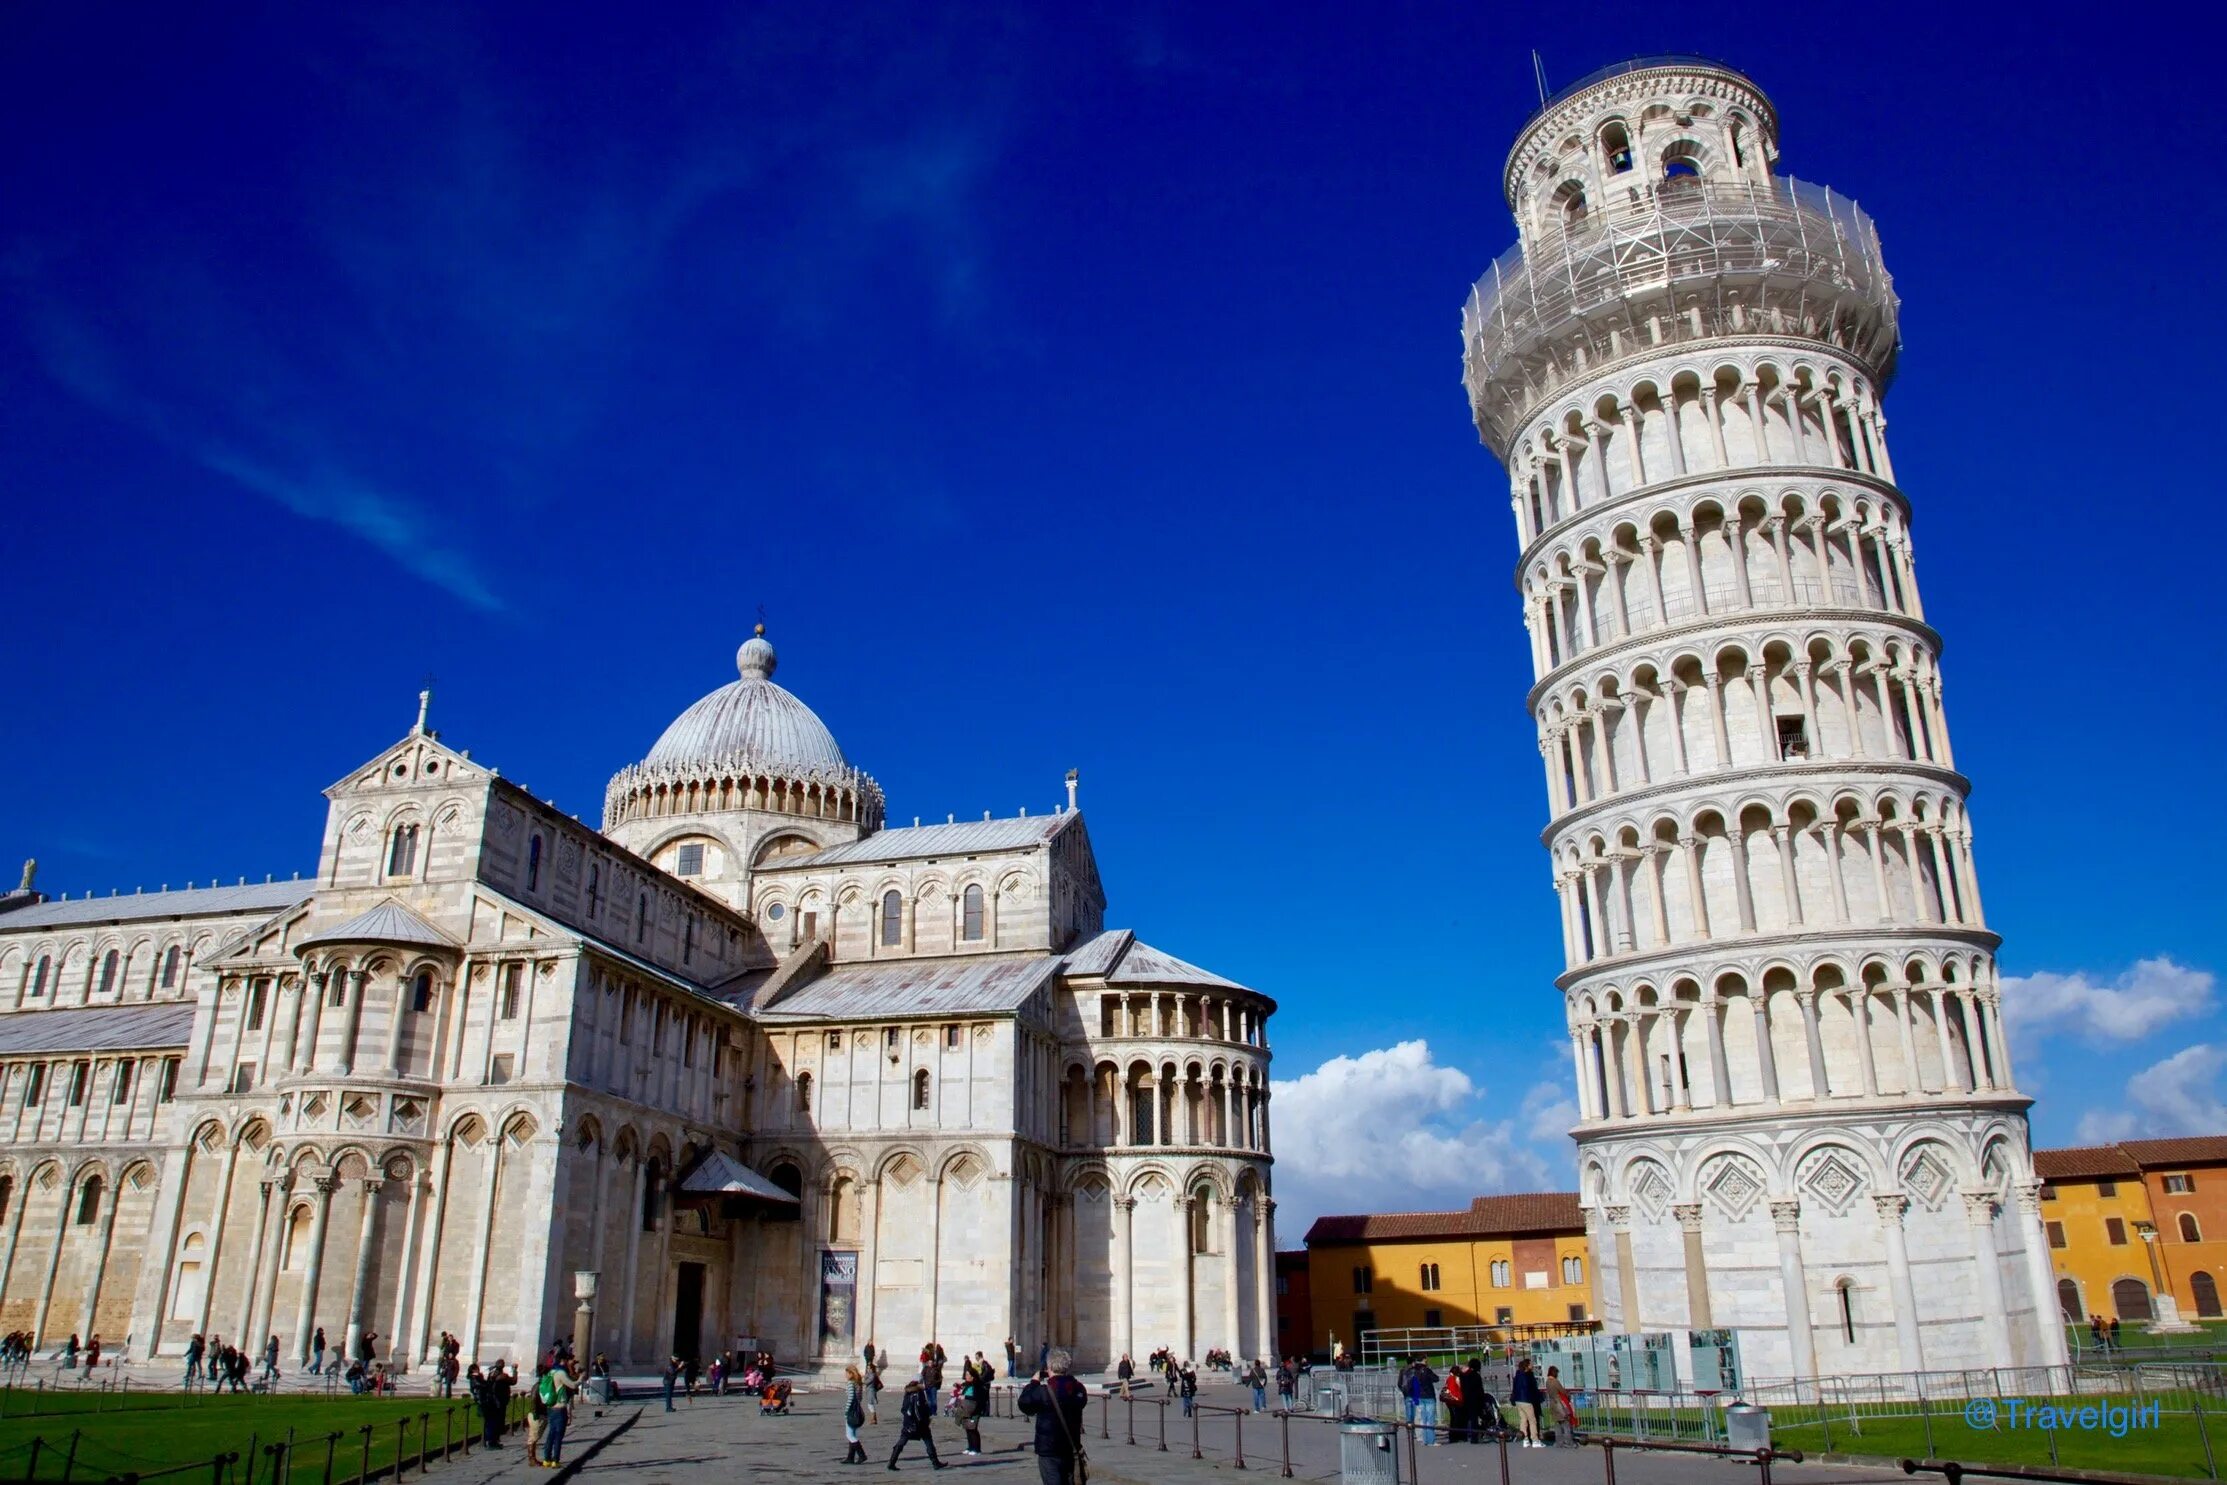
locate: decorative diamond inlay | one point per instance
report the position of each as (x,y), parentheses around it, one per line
(1927,1179)
(1650,1187)
(1733,1186)
(1832,1181)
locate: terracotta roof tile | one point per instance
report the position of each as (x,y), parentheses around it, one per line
(1488,1216)
(2085,1162)
(2198,1149)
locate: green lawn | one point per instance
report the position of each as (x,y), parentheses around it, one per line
(160,1430)
(2174,1447)
(2208,1335)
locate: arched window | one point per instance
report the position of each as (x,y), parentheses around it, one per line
(1569,202)
(108,972)
(970,913)
(89,1201)
(1202,1220)
(2131,1298)
(2068,1301)
(893,919)
(1573,1270)
(402,852)
(533,864)
(170,967)
(804,1092)
(791,1180)
(2204,1289)
(193,1284)
(1616,147)
(39,975)
(1738,135)
(842,1211)
(1681,163)
(2190,1232)
(421,991)
(920,1089)
(1846,1293)
(296,1253)
(653,1191)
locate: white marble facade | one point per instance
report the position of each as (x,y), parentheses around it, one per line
(1797,1115)
(767,1068)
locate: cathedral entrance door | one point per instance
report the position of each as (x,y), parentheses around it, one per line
(688,1312)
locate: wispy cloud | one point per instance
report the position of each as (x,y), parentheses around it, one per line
(2183,1094)
(1394,1129)
(2143,1000)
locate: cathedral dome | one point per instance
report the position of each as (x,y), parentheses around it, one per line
(749,720)
(750,745)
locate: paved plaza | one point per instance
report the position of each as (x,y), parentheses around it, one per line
(726,1439)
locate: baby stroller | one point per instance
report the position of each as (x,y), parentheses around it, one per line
(774,1399)
(1490,1423)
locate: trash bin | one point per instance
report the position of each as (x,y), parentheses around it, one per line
(1368,1454)
(1329,1397)
(1747,1426)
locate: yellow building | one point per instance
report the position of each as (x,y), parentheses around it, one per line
(1507,1260)
(2132,1223)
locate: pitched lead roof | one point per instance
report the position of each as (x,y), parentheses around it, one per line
(387,922)
(108,1028)
(917,987)
(916,841)
(185,903)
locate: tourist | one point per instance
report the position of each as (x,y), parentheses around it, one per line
(92,1354)
(558,1384)
(494,1404)
(317,1353)
(966,1411)
(1188,1385)
(1287,1383)
(854,1412)
(537,1417)
(1012,1358)
(873,1387)
(1419,1398)
(1525,1394)
(916,1420)
(1453,1401)
(270,1359)
(69,1353)
(672,1380)
(195,1350)
(1125,1371)
(1257,1377)
(1056,1400)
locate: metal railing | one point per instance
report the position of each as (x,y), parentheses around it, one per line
(1699,238)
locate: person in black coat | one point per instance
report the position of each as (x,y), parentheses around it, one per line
(494,1402)
(1056,1401)
(916,1419)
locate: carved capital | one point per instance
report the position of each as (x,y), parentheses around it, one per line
(1688,1215)
(1617,1216)
(1890,1205)
(1979,1207)
(1786,1215)
(2029,1198)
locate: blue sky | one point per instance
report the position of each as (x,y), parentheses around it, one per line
(1074,386)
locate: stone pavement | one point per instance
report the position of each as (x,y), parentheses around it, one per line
(726,1438)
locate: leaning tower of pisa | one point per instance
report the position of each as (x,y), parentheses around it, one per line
(1797,1118)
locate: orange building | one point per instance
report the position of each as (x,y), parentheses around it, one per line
(1507,1260)
(2133,1221)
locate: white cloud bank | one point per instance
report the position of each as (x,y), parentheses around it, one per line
(2180,1095)
(2145,999)
(1394,1130)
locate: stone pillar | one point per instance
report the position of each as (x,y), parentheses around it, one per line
(306,1313)
(1820,1086)
(1627,1277)
(633,1257)
(2034,1234)
(1124,1315)
(359,1288)
(430,1249)
(869,1243)
(399,1350)
(244,1328)
(1264,1276)
(1186,1283)
(354,1024)
(1697,1269)
(1234,1339)
(54,1263)
(1766,1057)
(1979,1211)
(1786,1217)
(217,1225)
(1902,1294)
(1720,1067)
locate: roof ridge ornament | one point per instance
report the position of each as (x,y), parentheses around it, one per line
(756,659)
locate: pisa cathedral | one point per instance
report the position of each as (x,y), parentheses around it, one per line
(1798,1117)
(762,1066)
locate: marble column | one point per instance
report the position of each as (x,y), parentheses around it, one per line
(1124,1316)
(1902,1294)
(107,1219)
(1264,1277)
(2034,1237)
(306,1312)
(1987,1267)
(1697,1270)
(1627,1274)
(1786,1218)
